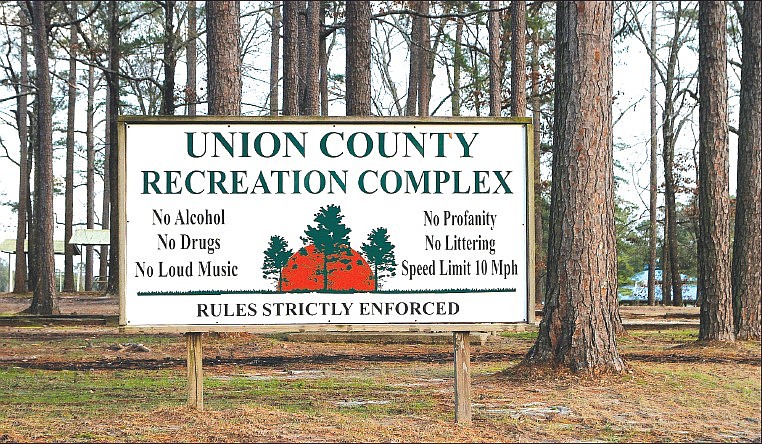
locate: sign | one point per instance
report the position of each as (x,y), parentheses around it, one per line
(321,222)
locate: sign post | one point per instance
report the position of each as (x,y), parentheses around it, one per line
(332,224)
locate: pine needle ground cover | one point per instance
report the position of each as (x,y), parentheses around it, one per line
(92,383)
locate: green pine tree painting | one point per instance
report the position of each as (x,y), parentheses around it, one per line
(276,257)
(379,252)
(330,236)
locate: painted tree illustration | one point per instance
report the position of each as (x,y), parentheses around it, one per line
(379,252)
(276,257)
(330,236)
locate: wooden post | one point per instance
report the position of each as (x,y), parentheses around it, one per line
(195,371)
(462,377)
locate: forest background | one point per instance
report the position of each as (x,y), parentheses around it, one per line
(155,40)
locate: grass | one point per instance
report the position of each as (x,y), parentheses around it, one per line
(302,400)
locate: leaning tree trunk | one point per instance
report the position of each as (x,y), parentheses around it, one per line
(747,276)
(577,331)
(290,59)
(44,300)
(113,165)
(68,283)
(358,58)
(518,58)
(274,60)
(716,319)
(19,285)
(224,57)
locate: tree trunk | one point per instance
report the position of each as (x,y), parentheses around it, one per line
(425,62)
(518,58)
(31,214)
(415,62)
(323,64)
(540,262)
(190,55)
(666,276)
(19,285)
(90,179)
(577,331)
(457,62)
(747,275)
(358,58)
(716,320)
(68,283)
(652,187)
(311,64)
(106,208)
(301,14)
(169,61)
(290,59)
(224,57)
(113,165)
(44,300)
(274,59)
(495,74)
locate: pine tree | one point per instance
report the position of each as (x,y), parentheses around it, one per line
(276,257)
(379,252)
(330,237)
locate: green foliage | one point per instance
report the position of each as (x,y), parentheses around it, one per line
(379,252)
(276,257)
(631,241)
(330,236)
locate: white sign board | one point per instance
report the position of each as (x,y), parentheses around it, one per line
(281,222)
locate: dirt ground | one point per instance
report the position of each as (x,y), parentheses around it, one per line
(94,383)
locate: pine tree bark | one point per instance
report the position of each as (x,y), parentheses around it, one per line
(223,57)
(495,73)
(426,60)
(274,57)
(577,331)
(90,174)
(44,300)
(169,60)
(20,276)
(518,58)
(652,184)
(290,59)
(191,56)
(112,79)
(311,65)
(68,283)
(716,318)
(358,58)
(106,201)
(323,63)
(456,63)
(415,61)
(540,261)
(301,8)
(746,273)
